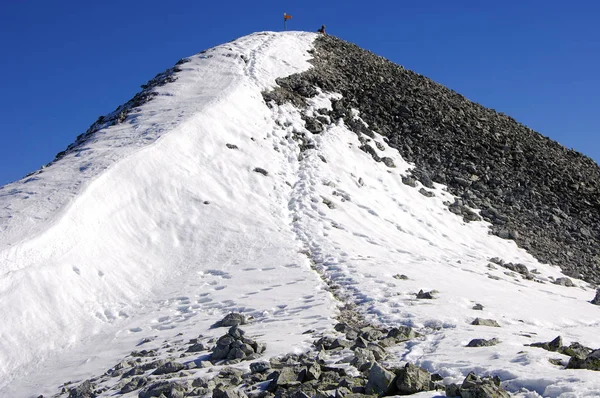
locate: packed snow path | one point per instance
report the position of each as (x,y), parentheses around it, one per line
(162,225)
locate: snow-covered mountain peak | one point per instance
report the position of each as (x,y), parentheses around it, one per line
(200,198)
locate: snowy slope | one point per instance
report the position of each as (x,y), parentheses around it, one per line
(160,228)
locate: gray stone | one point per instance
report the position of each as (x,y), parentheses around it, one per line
(425,295)
(564,282)
(410,181)
(378,351)
(236,353)
(169,367)
(426,193)
(134,384)
(362,358)
(313,372)
(412,379)
(389,162)
(371,334)
(197,347)
(596,299)
(476,387)
(452,390)
(591,362)
(402,333)
(219,352)
(83,390)
(168,389)
(262,171)
(553,345)
(236,333)
(576,350)
(313,125)
(289,376)
(380,380)
(478,307)
(483,342)
(228,393)
(485,322)
(259,367)
(231,319)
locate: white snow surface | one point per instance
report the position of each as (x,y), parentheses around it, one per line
(157,228)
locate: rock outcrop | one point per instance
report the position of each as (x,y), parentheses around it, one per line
(533,190)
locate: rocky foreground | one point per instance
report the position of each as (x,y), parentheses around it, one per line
(351,361)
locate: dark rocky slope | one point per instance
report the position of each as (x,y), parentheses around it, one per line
(533,190)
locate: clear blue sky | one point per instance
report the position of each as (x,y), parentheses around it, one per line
(64,63)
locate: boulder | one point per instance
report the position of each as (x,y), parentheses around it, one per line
(380,380)
(590,362)
(412,379)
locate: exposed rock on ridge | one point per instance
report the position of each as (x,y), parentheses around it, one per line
(532,189)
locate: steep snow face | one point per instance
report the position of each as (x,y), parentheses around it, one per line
(166,238)
(185,214)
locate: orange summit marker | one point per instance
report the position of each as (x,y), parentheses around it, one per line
(285,18)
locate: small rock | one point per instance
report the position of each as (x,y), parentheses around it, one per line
(261,171)
(288,377)
(313,125)
(485,322)
(556,361)
(260,367)
(228,393)
(476,387)
(424,295)
(231,319)
(84,390)
(362,358)
(483,342)
(478,307)
(389,162)
(410,181)
(231,146)
(452,390)
(596,300)
(197,347)
(402,333)
(169,367)
(134,384)
(168,389)
(554,345)
(564,282)
(426,193)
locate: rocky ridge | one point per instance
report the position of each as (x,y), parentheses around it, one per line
(534,191)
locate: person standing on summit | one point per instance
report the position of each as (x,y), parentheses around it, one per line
(322,30)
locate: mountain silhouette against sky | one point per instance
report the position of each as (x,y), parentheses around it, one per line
(288,214)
